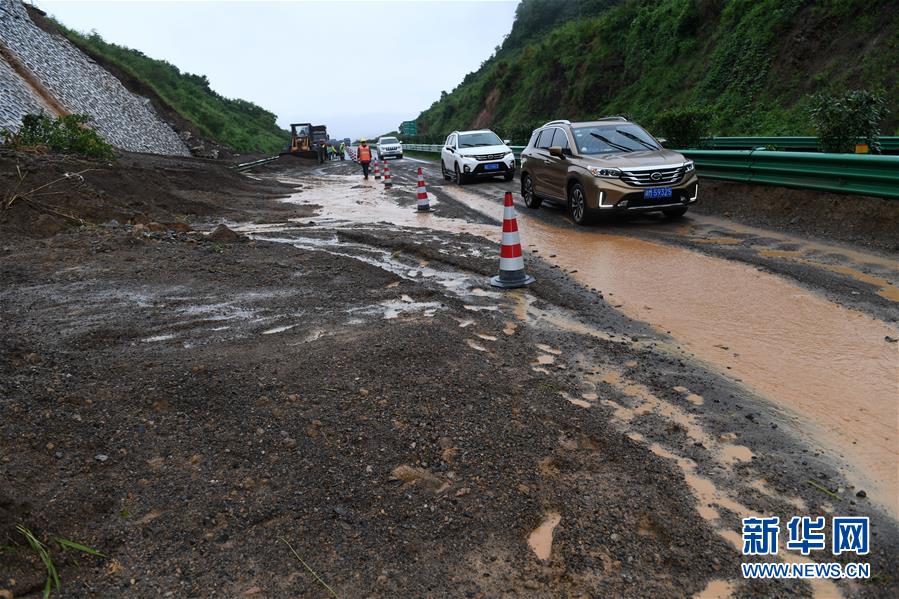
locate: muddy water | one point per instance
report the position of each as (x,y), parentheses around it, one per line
(829,365)
(541,538)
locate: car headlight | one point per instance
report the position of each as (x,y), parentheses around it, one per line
(605,173)
(688,166)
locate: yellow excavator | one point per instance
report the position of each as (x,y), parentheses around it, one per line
(303,139)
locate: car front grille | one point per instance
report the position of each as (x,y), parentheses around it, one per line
(485,157)
(667,175)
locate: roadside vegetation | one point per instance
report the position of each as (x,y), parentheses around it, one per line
(45,552)
(753,65)
(70,134)
(842,121)
(236,123)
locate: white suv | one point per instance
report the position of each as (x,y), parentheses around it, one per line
(470,154)
(389,147)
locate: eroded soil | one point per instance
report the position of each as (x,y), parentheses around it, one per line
(354,387)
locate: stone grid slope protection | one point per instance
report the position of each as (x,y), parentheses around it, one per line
(123,119)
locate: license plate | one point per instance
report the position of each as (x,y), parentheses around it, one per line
(493,167)
(657,192)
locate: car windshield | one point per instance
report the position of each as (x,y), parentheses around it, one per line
(608,139)
(473,140)
(389,140)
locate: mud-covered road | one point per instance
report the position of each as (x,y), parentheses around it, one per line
(342,378)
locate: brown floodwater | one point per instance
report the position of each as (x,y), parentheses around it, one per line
(541,538)
(828,366)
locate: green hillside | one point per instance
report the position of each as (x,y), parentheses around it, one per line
(753,63)
(241,125)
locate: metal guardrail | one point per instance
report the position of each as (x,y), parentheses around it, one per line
(435,148)
(863,174)
(800,143)
(248,165)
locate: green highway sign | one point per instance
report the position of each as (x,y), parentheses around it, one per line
(408,128)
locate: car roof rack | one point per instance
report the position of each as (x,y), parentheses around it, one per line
(615,117)
(558,122)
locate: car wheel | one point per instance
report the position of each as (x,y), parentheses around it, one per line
(460,178)
(509,176)
(527,193)
(675,212)
(400,157)
(577,205)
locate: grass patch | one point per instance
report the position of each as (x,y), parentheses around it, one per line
(43,552)
(70,134)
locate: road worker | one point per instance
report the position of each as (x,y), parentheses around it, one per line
(364,156)
(342,150)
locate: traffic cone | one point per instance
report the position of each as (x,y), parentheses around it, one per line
(377,172)
(387,182)
(511,263)
(423,204)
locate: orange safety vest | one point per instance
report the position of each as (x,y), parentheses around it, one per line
(364,153)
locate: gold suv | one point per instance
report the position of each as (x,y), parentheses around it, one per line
(605,166)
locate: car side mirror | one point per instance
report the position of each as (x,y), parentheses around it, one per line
(557,152)
(507,141)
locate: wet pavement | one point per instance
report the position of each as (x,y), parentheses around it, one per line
(831,369)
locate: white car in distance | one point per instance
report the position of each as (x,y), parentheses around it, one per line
(389,147)
(467,155)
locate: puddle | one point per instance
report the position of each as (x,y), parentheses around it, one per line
(578,402)
(475,345)
(286,327)
(885,288)
(827,364)
(541,538)
(509,329)
(156,338)
(643,401)
(762,487)
(486,337)
(717,589)
(545,359)
(481,308)
(717,240)
(395,308)
(550,350)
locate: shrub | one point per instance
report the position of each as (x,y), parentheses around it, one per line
(841,121)
(684,127)
(66,134)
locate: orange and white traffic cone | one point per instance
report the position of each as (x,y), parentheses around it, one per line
(387,181)
(511,263)
(377,172)
(423,204)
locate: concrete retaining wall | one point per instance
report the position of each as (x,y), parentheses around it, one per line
(76,83)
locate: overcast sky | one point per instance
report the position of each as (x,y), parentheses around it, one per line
(358,67)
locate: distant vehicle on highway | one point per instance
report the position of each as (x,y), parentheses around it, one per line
(389,147)
(470,154)
(605,166)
